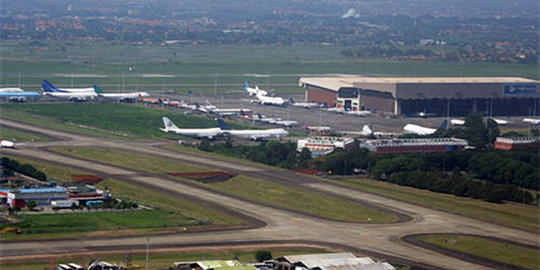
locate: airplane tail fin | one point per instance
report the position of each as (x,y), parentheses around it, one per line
(291,100)
(246,85)
(259,116)
(223,125)
(367,130)
(97,89)
(168,124)
(444,124)
(48,86)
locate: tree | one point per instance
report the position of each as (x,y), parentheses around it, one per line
(31,205)
(263,255)
(55,209)
(73,207)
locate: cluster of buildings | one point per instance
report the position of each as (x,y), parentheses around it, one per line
(325,261)
(324,145)
(54,196)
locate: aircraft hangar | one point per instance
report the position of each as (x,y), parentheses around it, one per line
(437,96)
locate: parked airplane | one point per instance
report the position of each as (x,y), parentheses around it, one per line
(254,91)
(457,122)
(209,133)
(366,131)
(532,121)
(500,122)
(121,97)
(49,87)
(420,130)
(17,94)
(319,129)
(71,96)
(266,100)
(252,134)
(335,109)
(360,113)
(7,144)
(304,105)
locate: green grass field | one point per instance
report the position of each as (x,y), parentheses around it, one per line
(502,252)
(207,63)
(20,136)
(509,214)
(299,200)
(165,260)
(135,161)
(105,119)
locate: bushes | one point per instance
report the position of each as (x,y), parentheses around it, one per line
(11,166)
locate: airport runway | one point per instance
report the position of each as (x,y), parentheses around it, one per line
(378,240)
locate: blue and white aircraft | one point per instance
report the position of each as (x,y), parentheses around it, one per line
(17,94)
(49,87)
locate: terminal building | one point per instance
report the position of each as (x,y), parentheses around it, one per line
(442,96)
(323,145)
(401,146)
(514,143)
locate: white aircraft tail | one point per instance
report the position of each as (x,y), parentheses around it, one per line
(169,125)
(366,130)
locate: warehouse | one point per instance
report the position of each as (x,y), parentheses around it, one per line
(401,146)
(432,96)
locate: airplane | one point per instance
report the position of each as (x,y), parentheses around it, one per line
(500,122)
(254,91)
(225,112)
(268,120)
(287,123)
(304,105)
(71,96)
(7,144)
(17,94)
(366,132)
(532,121)
(457,122)
(120,97)
(252,134)
(319,129)
(420,130)
(335,109)
(209,133)
(49,87)
(359,113)
(266,100)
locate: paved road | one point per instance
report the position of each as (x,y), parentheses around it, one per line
(381,239)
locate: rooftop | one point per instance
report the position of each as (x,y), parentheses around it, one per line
(335,83)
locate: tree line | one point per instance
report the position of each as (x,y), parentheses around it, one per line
(11,166)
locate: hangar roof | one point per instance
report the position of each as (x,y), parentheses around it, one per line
(335,83)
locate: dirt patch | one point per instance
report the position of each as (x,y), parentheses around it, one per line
(89,179)
(205,177)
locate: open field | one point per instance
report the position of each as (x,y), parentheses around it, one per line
(105,119)
(122,158)
(503,252)
(509,214)
(205,68)
(54,173)
(20,136)
(299,200)
(164,260)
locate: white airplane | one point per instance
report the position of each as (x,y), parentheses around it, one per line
(49,87)
(320,129)
(225,112)
(7,144)
(366,131)
(252,134)
(500,122)
(304,105)
(17,94)
(457,122)
(254,91)
(266,100)
(268,120)
(120,96)
(420,130)
(209,133)
(359,113)
(287,123)
(72,96)
(532,121)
